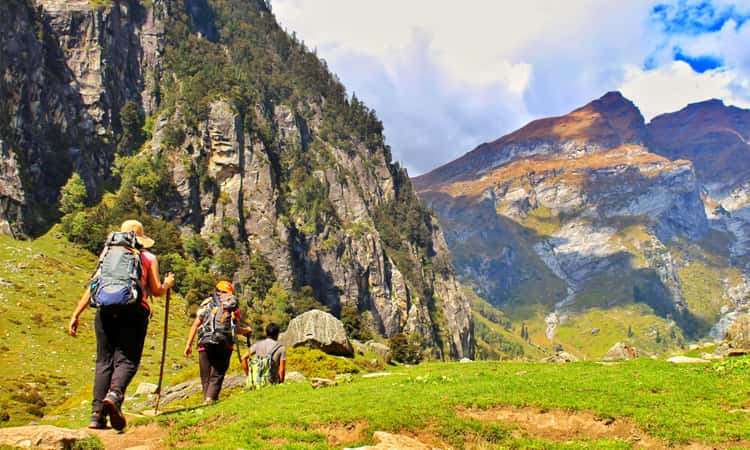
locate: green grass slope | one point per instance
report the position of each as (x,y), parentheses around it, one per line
(668,404)
(496,336)
(42,367)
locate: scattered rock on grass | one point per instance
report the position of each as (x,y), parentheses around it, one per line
(381,350)
(686,360)
(377,374)
(41,436)
(560,357)
(295,377)
(321,382)
(145,389)
(621,351)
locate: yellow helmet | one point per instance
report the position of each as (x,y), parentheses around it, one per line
(225,286)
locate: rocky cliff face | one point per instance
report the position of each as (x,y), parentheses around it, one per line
(577,213)
(345,265)
(67,71)
(255,174)
(714,137)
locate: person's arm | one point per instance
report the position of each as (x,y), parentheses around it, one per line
(191,335)
(239,329)
(82,304)
(282,364)
(155,286)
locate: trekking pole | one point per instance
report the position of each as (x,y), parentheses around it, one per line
(163,354)
(236,339)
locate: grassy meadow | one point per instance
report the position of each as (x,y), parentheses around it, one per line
(485,404)
(457,405)
(43,367)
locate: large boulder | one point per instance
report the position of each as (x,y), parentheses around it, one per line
(318,329)
(621,351)
(382,351)
(738,333)
(41,437)
(561,357)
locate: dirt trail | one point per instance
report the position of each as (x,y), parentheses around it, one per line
(144,437)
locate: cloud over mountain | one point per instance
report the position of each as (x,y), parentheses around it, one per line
(446,76)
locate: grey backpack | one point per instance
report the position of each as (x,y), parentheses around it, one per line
(218,323)
(117,280)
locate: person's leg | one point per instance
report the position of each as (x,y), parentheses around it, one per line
(219,358)
(131,325)
(104,369)
(205,366)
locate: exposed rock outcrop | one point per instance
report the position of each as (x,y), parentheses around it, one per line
(317,329)
(68,70)
(574,207)
(738,333)
(247,170)
(45,437)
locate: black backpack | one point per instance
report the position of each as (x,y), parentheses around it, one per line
(117,279)
(218,322)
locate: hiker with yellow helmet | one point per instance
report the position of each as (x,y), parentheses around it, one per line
(218,317)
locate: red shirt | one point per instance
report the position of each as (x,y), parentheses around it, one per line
(147,260)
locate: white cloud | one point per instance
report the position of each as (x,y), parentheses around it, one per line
(445,76)
(671,87)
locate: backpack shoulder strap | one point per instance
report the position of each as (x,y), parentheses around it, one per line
(275,349)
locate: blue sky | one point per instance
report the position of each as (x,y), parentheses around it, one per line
(445,76)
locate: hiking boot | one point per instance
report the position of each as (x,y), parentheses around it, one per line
(97,422)
(111,407)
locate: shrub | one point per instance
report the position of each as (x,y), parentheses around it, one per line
(73,195)
(227,262)
(403,350)
(315,363)
(354,323)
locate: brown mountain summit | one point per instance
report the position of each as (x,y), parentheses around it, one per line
(607,122)
(711,135)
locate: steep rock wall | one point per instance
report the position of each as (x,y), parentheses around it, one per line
(67,71)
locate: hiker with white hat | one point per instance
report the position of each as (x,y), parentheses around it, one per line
(126,275)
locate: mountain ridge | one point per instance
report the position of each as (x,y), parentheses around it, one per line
(242,154)
(596,123)
(590,198)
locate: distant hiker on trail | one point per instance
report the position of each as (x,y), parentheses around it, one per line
(126,275)
(268,366)
(216,321)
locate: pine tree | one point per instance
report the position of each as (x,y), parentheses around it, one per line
(73,195)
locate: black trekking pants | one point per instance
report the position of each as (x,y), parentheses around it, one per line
(213,362)
(120,334)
